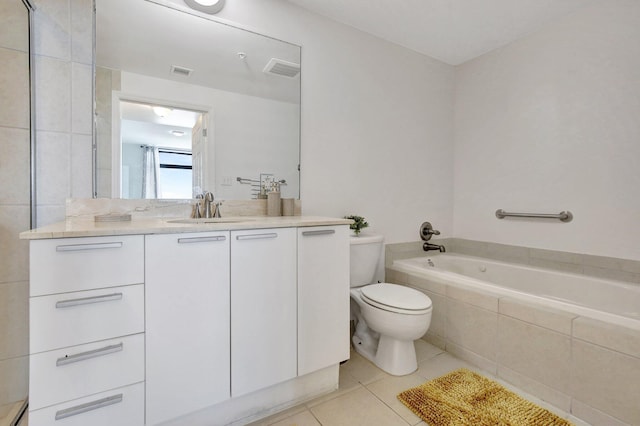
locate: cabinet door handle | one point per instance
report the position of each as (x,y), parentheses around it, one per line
(319,232)
(201,239)
(88,300)
(257,236)
(89,354)
(89,406)
(84,247)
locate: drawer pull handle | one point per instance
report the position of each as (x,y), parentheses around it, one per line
(83,247)
(89,406)
(88,300)
(257,236)
(319,232)
(89,354)
(201,239)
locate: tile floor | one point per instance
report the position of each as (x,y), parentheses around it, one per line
(367,395)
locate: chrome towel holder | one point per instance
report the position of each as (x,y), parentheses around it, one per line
(564,216)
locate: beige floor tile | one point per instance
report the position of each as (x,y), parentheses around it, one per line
(361,369)
(387,391)
(357,408)
(347,383)
(304,418)
(280,416)
(376,403)
(425,350)
(441,365)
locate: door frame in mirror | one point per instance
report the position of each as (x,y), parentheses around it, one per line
(116,140)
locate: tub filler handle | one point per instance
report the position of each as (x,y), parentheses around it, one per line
(564,216)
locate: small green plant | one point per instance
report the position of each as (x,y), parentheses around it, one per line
(359,223)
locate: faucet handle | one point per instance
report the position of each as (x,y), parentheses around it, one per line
(195,210)
(426,231)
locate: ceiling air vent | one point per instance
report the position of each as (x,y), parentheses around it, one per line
(281,67)
(177,70)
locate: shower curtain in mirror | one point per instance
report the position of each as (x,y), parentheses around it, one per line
(150,172)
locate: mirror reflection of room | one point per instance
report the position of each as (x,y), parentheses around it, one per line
(247,84)
(158,144)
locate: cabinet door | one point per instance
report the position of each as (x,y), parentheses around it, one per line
(263,308)
(323,297)
(187,323)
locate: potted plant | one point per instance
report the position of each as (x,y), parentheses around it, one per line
(359,223)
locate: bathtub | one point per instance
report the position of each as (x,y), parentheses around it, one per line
(569,339)
(608,300)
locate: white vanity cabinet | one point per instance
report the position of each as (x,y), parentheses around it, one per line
(187,323)
(323,297)
(86,331)
(263,308)
(187,327)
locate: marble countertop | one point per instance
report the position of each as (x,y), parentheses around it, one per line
(87,227)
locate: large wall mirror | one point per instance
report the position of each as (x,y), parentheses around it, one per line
(185,104)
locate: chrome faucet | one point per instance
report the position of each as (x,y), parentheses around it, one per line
(426,232)
(429,246)
(208,199)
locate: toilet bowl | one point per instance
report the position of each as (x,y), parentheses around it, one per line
(389,317)
(385,332)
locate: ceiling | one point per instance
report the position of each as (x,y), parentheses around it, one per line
(140,125)
(453,31)
(147,38)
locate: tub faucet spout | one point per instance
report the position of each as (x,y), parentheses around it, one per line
(429,246)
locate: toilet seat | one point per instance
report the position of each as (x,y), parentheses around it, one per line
(396,298)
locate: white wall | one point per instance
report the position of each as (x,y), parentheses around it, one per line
(250,130)
(376,122)
(551,123)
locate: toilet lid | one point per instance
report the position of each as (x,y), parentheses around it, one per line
(395,296)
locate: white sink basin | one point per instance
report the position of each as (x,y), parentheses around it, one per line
(210,220)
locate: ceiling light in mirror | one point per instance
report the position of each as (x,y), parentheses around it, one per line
(161,111)
(206,6)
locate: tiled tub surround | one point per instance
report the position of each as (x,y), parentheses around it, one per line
(579,360)
(586,264)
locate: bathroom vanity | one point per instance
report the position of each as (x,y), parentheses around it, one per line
(151,322)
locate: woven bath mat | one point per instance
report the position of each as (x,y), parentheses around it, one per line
(463,397)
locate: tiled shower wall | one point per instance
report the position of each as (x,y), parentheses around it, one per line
(63,47)
(14,200)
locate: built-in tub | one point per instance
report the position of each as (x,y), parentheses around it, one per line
(595,297)
(570,339)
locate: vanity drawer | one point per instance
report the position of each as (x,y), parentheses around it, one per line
(122,406)
(71,373)
(61,320)
(75,264)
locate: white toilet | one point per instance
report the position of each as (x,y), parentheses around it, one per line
(389,317)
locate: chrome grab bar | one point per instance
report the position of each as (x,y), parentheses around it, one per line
(89,406)
(70,359)
(564,216)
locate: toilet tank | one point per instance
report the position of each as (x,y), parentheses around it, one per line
(365,255)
